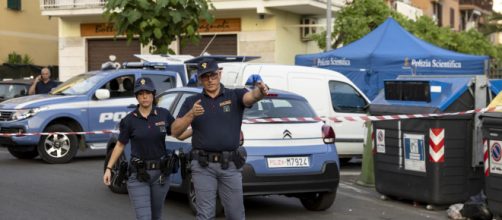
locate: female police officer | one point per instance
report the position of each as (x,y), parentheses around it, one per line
(149,167)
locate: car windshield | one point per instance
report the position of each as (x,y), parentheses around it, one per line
(8,91)
(279,108)
(78,85)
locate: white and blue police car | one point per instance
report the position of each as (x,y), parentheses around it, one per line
(88,102)
(292,157)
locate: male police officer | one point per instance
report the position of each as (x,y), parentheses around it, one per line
(216,118)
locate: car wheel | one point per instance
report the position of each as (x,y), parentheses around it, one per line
(58,148)
(118,184)
(318,201)
(23,152)
(192,199)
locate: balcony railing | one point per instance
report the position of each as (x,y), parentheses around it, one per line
(70,4)
(483,4)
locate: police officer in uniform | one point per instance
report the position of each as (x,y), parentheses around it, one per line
(215,116)
(151,164)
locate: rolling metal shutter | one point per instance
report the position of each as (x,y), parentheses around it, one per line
(98,51)
(221,45)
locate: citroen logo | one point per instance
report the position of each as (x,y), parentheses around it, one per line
(286,134)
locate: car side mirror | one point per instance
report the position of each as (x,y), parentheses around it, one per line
(102,94)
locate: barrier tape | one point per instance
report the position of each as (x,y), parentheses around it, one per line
(58,133)
(370,118)
(286,119)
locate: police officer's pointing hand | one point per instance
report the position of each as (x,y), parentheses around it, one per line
(197,109)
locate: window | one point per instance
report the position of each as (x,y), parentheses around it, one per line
(345,98)
(279,108)
(437,13)
(166,101)
(162,82)
(120,87)
(452,18)
(14,5)
(180,103)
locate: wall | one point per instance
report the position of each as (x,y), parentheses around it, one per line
(28,32)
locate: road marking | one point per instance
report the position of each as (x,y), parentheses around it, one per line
(350,173)
(346,186)
(375,201)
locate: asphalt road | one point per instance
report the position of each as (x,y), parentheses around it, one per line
(32,189)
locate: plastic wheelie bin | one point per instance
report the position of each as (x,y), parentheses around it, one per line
(429,160)
(492,134)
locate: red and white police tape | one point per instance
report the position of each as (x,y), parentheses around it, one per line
(370,118)
(287,119)
(57,133)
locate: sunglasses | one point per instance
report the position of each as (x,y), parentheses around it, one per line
(207,76)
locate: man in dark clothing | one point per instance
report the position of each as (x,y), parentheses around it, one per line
(43,84)
(215,116)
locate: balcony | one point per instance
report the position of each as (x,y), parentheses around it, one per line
(63,8)
(483,5)
(71,7)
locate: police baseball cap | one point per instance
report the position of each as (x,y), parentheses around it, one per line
(206,66)
(144,83)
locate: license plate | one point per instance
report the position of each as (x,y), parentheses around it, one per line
(281,162)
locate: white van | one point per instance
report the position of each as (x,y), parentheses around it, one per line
(330,94)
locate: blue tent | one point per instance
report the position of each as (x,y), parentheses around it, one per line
(389,51)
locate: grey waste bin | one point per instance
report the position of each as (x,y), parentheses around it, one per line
(492,133)
(428,160)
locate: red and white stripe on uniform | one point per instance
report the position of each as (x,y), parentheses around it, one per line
(436,145)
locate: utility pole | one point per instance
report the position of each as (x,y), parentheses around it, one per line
(328,26)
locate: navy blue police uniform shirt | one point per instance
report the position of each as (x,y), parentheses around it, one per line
(218,129)
(147,135)
(44,88)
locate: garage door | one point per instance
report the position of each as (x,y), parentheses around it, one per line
(98,51)
(221,45)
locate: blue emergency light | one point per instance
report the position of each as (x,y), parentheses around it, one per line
(253,79)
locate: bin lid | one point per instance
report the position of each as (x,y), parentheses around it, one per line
(495,86)
(422,91)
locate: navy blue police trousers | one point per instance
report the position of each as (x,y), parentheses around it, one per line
(148,198)
(227,183)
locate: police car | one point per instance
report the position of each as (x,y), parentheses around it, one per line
(294,158)
(88,102)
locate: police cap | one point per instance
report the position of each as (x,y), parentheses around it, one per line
(206,66)
(144,83)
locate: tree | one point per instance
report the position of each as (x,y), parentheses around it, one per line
(158,22)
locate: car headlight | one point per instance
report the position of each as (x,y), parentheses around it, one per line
(21,114)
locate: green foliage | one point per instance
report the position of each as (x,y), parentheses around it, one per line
(15,58)
(362,16)
(158,22)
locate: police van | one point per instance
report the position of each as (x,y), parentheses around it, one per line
(330,93)
(89,102)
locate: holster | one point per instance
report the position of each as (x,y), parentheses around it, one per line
(169,164)
(140,168)
(240,156)
(184,160)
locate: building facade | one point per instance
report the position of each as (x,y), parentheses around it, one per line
(276,30)
(24,30)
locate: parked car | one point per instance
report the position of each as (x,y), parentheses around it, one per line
(14,88)
(292,158)
(88,102)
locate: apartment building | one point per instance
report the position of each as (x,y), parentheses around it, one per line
(276,30)
(24,30)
